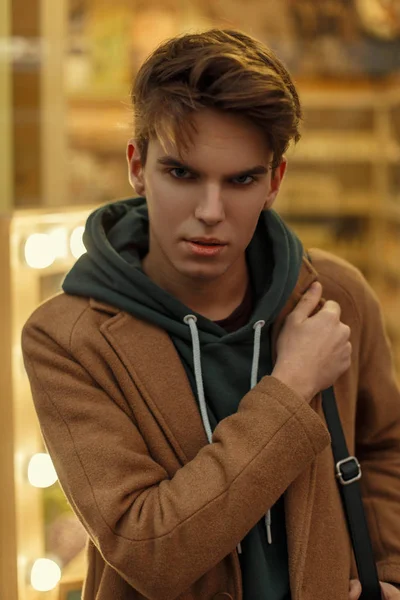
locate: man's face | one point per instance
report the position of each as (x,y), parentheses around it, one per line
(204,206)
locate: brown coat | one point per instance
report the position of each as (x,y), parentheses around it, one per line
(165,510)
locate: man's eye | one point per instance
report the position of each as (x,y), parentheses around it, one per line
(180,173)
(244,180)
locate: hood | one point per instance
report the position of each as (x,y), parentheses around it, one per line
(116,239)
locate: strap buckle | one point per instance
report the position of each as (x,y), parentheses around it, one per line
(351,473)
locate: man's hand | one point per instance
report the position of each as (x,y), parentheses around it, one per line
(313,351)
(389,592)
(354,589)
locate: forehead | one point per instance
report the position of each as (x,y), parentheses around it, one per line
(218,140)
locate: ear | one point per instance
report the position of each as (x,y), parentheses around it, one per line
(276,180)
(135,168)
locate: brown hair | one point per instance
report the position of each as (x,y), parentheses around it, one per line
(222,69)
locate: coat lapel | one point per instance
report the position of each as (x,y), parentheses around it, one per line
(307,276)
(151,359)
(300,494)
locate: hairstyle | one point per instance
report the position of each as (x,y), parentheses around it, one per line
(223,69)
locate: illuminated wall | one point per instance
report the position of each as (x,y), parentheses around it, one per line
(40,527)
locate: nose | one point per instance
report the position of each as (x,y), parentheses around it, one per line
(210,207)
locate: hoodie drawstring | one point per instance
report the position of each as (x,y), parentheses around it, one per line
(253,382)
(256,353)
(191,320)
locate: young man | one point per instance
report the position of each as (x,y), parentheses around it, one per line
(177,379)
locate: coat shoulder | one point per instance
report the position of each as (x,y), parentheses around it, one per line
(56,318)
(340,278)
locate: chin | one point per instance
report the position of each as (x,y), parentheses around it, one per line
(203,273)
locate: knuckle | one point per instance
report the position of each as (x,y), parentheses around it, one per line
(346,331)
(332,303)
(332,308)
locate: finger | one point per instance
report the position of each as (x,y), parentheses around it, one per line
(308,302)
(354,589)
(333,307)
(390,592)
(346,331)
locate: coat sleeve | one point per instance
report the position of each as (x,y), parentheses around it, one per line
(378,437)
(143,522)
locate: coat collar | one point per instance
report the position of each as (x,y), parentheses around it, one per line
(307,276)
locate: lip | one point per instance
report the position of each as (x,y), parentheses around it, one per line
(207,241)
(210,250)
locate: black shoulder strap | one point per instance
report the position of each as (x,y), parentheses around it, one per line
(348,474)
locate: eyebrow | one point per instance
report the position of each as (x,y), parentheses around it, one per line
(171,161)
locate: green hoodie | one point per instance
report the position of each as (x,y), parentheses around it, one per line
(116,238)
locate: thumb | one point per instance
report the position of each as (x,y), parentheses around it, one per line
(308,302)
(354,589)
(390,592)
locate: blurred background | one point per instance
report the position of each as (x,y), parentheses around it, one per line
(66,69)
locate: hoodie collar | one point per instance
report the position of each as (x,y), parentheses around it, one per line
(307,276)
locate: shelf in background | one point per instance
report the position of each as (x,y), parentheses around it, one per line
(342,92)
(389,270)
(343,146)
(358,208)
(393,327)
(99,128)
(393,211)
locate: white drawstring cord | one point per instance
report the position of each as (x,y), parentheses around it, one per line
(191,320)
(253,382)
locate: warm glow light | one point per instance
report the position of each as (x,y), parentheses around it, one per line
(59,242)
(39,251)
(45,575)
(41,472)
(76,243)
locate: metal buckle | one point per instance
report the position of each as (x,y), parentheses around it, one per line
(340,474)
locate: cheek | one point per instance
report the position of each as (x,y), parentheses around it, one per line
(168,207)
(247,213)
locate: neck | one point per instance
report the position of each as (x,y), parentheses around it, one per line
(214,299)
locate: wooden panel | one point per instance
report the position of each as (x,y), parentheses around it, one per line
(6,112)
(54,157)
(8,540)
(26,100)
